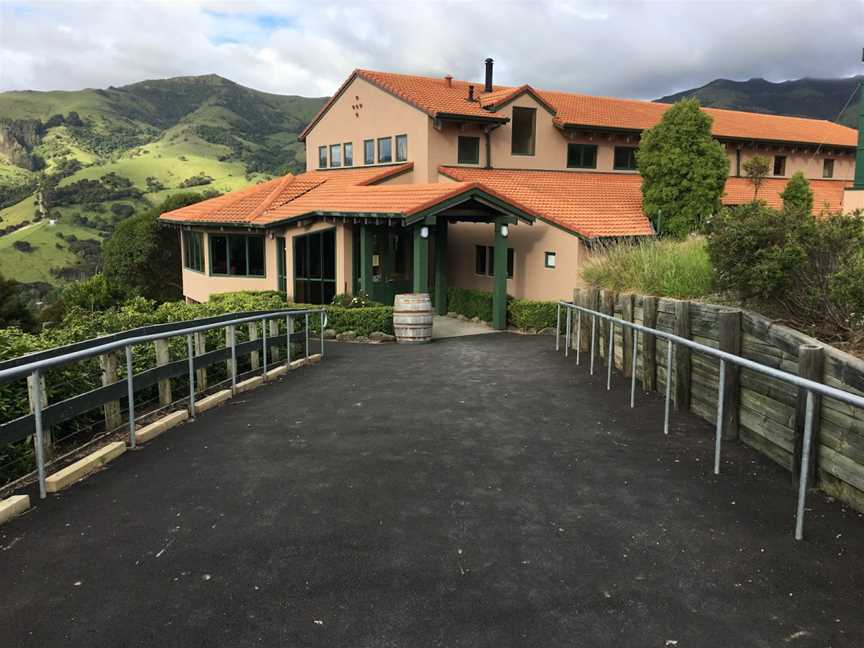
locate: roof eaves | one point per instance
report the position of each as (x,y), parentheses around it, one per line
(518,92)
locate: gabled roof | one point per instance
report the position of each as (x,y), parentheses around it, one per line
(439,99)
(592,205)
(827,194)
(344,192)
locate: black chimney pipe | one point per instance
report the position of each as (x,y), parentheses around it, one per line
(488,86)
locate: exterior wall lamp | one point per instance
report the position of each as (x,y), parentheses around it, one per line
(424,232)
(505,231)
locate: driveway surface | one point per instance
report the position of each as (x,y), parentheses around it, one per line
(478,491)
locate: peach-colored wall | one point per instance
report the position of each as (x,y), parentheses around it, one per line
(531,280)
(809,163)
(853,199)
(363,112)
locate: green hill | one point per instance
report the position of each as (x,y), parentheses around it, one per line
(815,98)
(82,161)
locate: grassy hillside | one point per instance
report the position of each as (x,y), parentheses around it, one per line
(816,98)
(94,157)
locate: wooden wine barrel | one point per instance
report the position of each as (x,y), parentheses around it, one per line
(412,318)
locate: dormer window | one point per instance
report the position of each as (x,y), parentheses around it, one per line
(523,131)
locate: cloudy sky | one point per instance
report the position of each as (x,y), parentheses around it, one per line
(630,48)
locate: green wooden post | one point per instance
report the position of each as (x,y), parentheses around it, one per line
(420,271)
(441,267)
(499,291)
(366,245)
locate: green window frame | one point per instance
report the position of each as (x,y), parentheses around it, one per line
(625,158)
(315,267)
(369,151)
(348,154)
(193,250)
(322,157)
(468,150)
(581,156)
(523,131)
(484,261)
(335,155)
(401,148)
(385,150)
(238,255)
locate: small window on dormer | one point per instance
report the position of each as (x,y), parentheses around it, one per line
(828,169)
(523,131)
(322,157)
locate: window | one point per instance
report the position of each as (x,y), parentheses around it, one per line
(335,155)
(581,156)
(193,250)
(315,267)
(828,169)
(469,150)
(348,153)
(779,165)
(237,255)
(385,150)
(625,158)
(368,151)
(549,261)
(484,261)
(401,148)
(524,121)
(322,157)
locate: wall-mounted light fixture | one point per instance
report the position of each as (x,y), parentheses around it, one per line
(505,231)
(424,232)
(271,235)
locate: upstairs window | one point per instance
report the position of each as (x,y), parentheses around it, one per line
(322,157)
(401,148)
(828,169)
(385,150)
(523,131)
(193,250)
(469,150)
(581,156)
(348,151)
(484,261)
(549,260)
(625,158)
(779,165)
(335,155)
(368,151)
(237,255)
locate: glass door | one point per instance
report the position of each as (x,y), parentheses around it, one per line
(280,264)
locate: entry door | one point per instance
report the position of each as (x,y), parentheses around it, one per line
(280,264)
(391,264)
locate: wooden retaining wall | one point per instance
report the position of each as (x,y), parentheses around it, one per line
(763,412)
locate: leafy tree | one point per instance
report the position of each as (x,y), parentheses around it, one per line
(797,196)
(142,258)
(13,309)
(93,294)
(683,169)
(756,169)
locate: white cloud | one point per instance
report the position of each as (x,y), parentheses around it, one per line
(625,48)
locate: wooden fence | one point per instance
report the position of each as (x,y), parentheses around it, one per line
(765,413)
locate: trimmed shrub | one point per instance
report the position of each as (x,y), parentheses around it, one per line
(362,321)
(470,303)
(529,315)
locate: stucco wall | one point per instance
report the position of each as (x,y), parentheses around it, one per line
(853,199)
(808,162)
(531,280)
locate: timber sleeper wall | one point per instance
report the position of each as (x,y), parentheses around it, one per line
(763,412)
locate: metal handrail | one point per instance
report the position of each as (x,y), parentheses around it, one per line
(34,369)
(810,386)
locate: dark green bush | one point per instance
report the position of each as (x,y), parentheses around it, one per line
(362,321)
(470,303)
(528,315)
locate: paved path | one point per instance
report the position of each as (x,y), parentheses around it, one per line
(473,492)
(448,327)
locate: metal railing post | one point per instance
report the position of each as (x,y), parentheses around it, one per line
(264,344)
(668,385)
(567,334)
(805,466)
(233,359)
(190,353)
(306,330)
(610,354)
(288,339)
(130,395)
(721,396)
(593,344)
(633,370)
(323,315)
(38,438)
(558,328)
(578,335)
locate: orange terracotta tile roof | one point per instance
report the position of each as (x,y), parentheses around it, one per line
(827,194)
(437,98)
(334,192)
(590,204)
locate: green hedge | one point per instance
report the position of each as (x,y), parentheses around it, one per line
(529,315)
(362,321)
(470,303)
